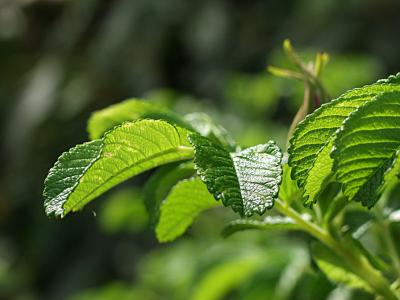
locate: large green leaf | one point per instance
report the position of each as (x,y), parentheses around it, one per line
(183,204)
(129,110)
(317,131)
(89,170)
(248,180)
(366,147)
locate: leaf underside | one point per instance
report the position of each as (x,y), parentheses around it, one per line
(248,181)
(90,169)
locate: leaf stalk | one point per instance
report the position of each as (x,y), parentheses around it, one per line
(357,262)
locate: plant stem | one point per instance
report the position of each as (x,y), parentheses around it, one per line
(385,227)
(358,264)
(387,237)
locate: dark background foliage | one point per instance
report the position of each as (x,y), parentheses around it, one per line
(61,59)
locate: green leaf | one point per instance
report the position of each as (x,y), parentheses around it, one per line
(288,191)
(366,148)
(270,222)
(183,204)
(129,110)
(335,269)
(159,185)
(317,131)
(319,177)
(248,180)
(89,170)
(206,126)
(64,176)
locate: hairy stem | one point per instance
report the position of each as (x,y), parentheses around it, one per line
(356,261)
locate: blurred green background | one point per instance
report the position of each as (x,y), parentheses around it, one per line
(62,59)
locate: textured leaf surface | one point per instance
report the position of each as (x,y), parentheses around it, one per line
(319,175)
(183,204)
(270,222)
(248,180)
(318,130)
(366,147)
(89,170)
(66,173)
(129,110)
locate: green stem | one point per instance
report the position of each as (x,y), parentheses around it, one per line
(387,237)
(358,264)
(385,227)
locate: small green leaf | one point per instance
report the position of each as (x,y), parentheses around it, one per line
(248,180)
(366,148)
(206,126)
(288,190)
(159,185)
(269,223)
(89,170)
(335,269)
(184,203)
(129,110)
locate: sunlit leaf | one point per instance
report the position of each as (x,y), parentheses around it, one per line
(89,170)
(366,148)
(318,130)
